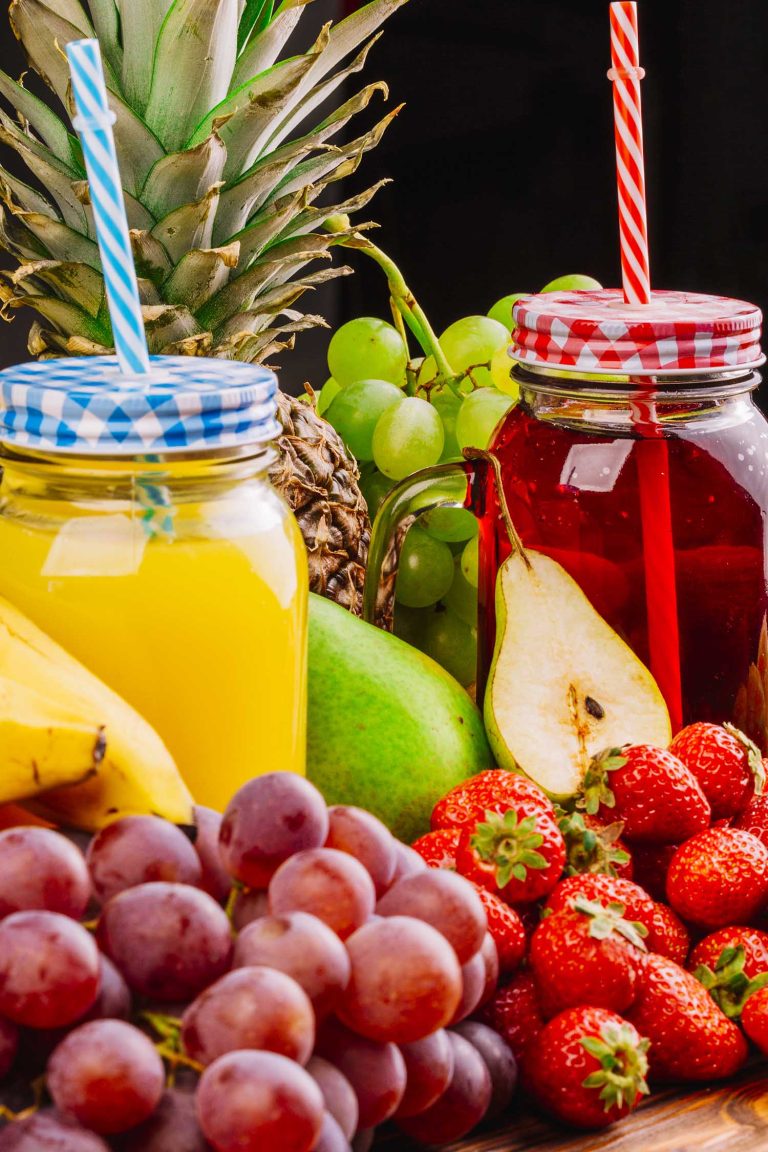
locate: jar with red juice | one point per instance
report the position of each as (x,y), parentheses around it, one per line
(636,459)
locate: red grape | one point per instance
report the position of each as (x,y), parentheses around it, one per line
(405,980)
(49,969)
(172,1127)
(463,1104)
(375,1071)
(407,862)
(338,1094)
(215,879)
(499,1060)
(446,901)
(47,1131)
(107,1075)
(490,955)
(259,1102)
(429,1064)
(362,835)
(331,1138)
(303,947)
(39,869)
(268,820)
(250,904)
(137,850)
(9,1043)
(331,885)
(250,1008)
(112,1002)
(473,980)
(169,941)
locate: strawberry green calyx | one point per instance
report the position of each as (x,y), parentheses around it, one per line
(607,919)
(510,844)
(754,757)
(590,849)
(728,984)
(621,1077)
(596,787)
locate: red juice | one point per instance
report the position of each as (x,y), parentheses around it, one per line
(572,486)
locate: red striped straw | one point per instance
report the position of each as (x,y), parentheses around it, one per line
(653,459)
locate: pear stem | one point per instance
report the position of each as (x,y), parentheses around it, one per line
(512,533)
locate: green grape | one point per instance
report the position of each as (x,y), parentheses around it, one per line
(461,597)
(573,283)
(453,644)
(410,625)
(472,341)
(367,349)
(426,570)
(408,436)
(375,488)
(501,368)
(479,416)
(447,405)
(427,371)
(502,309)
(469,562)
(451,525)
(356,410)
(327,395)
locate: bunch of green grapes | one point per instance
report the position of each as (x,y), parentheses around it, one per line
(398,416)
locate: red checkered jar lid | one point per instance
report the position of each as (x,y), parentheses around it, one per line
(677,334)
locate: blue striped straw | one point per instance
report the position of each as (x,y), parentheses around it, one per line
(94,125)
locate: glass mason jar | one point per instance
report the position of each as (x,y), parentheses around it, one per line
(649,489)
(139,530)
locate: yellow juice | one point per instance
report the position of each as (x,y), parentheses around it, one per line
(203,633)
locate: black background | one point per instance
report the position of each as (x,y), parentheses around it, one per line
(503,161)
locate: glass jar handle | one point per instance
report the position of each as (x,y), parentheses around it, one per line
(393,520)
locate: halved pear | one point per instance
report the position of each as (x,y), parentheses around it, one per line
(563,685)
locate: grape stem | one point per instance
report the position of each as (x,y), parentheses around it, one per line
(407,307)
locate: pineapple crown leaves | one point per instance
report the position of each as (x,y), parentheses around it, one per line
(608,920)
(754,757)
(728,984)
(510,844)
(621,1076)
(596,788)
(221,141)
(590,849)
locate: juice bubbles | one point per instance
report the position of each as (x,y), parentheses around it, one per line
(182,583)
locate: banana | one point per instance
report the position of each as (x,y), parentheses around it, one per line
(71,743)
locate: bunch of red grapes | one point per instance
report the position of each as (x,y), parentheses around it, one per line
(286,981)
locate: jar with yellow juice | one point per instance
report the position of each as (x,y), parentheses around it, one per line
(138,529)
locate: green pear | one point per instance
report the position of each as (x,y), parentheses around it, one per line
(388,729)
(563,685)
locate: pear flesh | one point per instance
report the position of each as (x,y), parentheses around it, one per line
(563,685)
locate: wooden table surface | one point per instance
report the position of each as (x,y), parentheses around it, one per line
(717,1119)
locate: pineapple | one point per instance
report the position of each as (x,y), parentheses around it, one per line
(223,161)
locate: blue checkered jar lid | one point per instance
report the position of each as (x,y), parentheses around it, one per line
(86,406)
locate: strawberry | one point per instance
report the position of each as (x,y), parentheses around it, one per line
(438,848)
(691,1039)
(754,817)
(493,791)
(587,1067)
(515,1013)
(754,1019)
(650,864)
(719,877)
(670,936)
(638,905)
(519,855)
(727,765)
(732,964)
(592,846)
(507,930)
(587,954)
(658,799)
